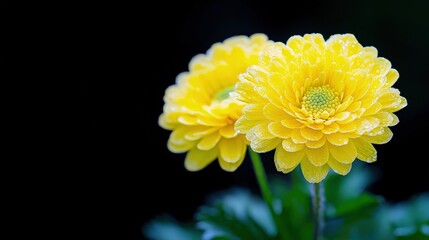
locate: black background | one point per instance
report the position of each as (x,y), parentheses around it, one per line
(110,64)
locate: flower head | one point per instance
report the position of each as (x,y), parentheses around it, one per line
(199,108)
(319,103)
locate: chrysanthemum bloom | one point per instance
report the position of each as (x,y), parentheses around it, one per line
(321,104)
(199,109)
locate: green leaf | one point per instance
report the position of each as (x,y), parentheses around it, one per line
(220,238)
(357,204)
(364,217)
(420,208)
(164,227)
(365,224)
(410,233)
(294,206)
(425,228)
(412,213)
(341,188)
(236,215)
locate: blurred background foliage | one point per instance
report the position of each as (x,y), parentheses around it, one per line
(351,213)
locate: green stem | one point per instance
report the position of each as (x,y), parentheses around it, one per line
(261,177)
(318,209)
(265,189)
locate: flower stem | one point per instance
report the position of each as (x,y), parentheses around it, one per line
(261,177)
(265,189)
(318,200)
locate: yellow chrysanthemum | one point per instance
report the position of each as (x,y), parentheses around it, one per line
(321,104)
(199,109)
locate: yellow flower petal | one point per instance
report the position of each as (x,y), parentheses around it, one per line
(310,134)
(228,131)
(208,142)
(274,113)
(297,137)
(391,77)
(164,123)
(243,125)
(339,168)
(254,111)
(295,43)
(361,90)
(276,81)
(229,166)
(180,147)
(368,124)
(177,142)
(285,160)
(392,100)
(350,87)
(198,62)
(290,146)
(261,131)
(337,82)
(177,136)
(283,170)
(312,173)
(258,38)
(403,103)
(246,91)
(349,119)
(373,109)
(371,52)
(395,120)
(347,43)
(263,145)
(193,133)
(316,126)
(354,106)
(381,67)
(341,116)
(257,76)
(365,150)
(210,121)
(231,149)
(278,130)
(386,119)
(384,137)
(187,120)
(316,144)
(332,128)
(349,127)
(271,95)
(345,154)
(291,123)
(338,139)
(197,159)
(318,156)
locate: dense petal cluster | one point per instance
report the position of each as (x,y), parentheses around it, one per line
(320,104)
(199,109)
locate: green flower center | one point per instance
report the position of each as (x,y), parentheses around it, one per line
(320,99)
(223,94)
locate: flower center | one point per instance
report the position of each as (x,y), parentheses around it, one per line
(320,99)
(223,94)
